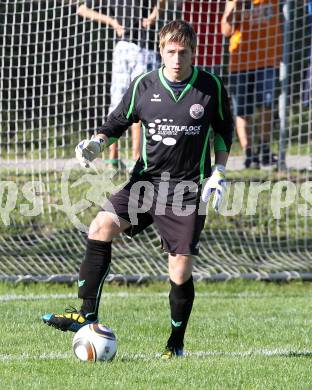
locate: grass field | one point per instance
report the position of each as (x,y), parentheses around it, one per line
(242,335)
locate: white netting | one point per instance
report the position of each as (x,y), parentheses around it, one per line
(54,91)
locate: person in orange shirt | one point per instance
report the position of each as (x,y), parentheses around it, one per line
(255,51)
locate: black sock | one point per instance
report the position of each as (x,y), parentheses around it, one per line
(181,300)
(92,274)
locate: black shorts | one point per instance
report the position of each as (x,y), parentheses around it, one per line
(179,228)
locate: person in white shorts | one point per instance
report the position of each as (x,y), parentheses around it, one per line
(134,54)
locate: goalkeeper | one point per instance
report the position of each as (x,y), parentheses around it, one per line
(177,104)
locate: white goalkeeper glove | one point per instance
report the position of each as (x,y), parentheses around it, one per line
(88,149)
(216,186)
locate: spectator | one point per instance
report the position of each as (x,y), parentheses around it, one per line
(255,53)
(205,18)
(134,25)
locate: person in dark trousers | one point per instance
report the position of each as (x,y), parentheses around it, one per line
(180,106)
(255,53)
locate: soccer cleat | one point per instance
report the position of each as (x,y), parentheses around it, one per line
(71,320)
(252,160)
(267,157)
(270,159)
(170,353)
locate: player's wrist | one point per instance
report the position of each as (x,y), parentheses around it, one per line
(101,139)
(102,144)
(219,168)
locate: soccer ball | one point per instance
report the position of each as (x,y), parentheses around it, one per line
(95,342)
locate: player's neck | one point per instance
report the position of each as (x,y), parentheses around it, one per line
(175,78)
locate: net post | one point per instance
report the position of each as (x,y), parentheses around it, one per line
(282,103)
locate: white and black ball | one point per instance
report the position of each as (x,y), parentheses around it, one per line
(95,342)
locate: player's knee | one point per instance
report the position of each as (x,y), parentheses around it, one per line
(180,268)
(104,227)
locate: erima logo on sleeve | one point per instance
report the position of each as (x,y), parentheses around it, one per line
(156,98)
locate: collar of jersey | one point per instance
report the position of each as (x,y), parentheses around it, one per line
(185,90)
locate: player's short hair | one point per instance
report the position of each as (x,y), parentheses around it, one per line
(180,32)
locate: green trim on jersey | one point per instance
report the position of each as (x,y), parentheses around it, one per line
(112,140)
(203,157)
(144,154)
(185,90)
(164,83)
(133,93)
(219,93)
(219,144)
(190,83)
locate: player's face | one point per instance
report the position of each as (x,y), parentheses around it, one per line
(178,61)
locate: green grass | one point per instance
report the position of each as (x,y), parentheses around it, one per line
(18,150)
(242,335)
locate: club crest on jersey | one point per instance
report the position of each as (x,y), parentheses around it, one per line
(197,111)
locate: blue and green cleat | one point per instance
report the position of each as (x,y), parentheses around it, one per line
(71,320)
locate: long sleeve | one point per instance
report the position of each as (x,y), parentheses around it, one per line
(123,116)
(222,122)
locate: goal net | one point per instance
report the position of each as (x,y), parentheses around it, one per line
(55,76)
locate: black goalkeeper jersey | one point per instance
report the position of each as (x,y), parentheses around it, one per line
(175,130)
